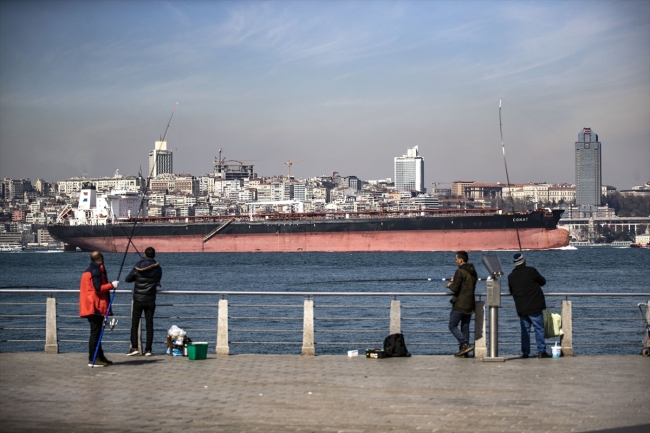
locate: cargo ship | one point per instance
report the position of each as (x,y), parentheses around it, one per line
(105,224)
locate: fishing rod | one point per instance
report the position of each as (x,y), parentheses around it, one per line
(32,287)
(129,243)
(512,201)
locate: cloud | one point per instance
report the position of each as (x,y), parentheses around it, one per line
(349,85)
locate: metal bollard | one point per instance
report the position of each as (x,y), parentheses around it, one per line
(493,291)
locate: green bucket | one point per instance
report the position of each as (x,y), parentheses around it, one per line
(196,351)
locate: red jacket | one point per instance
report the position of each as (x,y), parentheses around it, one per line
(94,291)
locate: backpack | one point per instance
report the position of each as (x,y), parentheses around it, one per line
(394,345)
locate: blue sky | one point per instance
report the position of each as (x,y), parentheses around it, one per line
(87,87)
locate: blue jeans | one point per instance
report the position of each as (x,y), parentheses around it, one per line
(537,320)
(456,317)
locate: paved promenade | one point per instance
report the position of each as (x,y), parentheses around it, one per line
(286,393)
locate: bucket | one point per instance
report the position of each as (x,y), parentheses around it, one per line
(196,351)
(556,351)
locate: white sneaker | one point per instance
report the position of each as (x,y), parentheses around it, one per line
(133,352)
(147,354)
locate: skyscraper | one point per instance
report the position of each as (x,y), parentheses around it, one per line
(588,169)
(409,171)
(160,159)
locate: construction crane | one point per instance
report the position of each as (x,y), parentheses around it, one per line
(222,161)
(290,163)
(435,185)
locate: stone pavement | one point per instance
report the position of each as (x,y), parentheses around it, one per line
(286,393)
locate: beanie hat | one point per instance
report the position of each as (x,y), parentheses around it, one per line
(518,259)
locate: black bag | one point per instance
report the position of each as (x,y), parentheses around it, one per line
(394,345)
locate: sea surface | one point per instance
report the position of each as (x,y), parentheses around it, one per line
(273,324)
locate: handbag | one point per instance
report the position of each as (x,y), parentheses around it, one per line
(552,324)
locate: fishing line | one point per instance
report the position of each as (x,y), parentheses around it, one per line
(134,247)
(33,287)
(398,280)
(512,201)
(129,241)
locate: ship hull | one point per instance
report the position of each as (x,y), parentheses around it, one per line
(470,233)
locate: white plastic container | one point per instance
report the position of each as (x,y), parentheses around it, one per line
(556,351)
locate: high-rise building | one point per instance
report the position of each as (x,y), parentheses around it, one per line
(15,188)
(409,171)
(160,159)
(588,169)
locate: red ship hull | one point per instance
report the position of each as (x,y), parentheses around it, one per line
(439,240)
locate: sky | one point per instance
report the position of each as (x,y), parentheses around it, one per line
(88,87)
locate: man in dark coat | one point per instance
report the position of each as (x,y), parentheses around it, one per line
(462,285)
(146,274)
(525,285)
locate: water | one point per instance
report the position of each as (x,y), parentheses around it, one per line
(273,324)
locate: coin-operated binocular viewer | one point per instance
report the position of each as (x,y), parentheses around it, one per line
(493,291)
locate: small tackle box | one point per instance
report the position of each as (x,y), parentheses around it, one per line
(375,353)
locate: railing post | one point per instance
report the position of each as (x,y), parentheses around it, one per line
(395,317)
(480,344)
(308,329)
(566,339)
(222,328)
(51,338)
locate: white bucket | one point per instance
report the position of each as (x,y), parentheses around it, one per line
(556,351)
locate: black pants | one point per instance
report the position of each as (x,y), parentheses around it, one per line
(149,308)
(96,323)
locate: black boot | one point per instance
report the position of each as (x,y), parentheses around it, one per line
(464,349)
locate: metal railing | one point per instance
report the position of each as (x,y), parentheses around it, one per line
(270,322)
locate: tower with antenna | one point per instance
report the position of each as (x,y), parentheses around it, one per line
(161,160)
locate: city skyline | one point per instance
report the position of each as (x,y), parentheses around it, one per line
(87,88)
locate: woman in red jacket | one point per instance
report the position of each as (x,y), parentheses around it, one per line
(94,297)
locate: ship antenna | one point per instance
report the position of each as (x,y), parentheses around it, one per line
(129,243)
(512,201)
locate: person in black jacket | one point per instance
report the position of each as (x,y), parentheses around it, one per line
(525,285)
(146,274)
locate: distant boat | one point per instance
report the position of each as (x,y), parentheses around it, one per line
(640,245)
(580,244)
(10,248)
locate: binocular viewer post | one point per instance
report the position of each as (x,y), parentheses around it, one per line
(493,292)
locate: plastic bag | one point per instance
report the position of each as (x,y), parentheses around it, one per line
(552,324)
(175,352)
(175,331)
